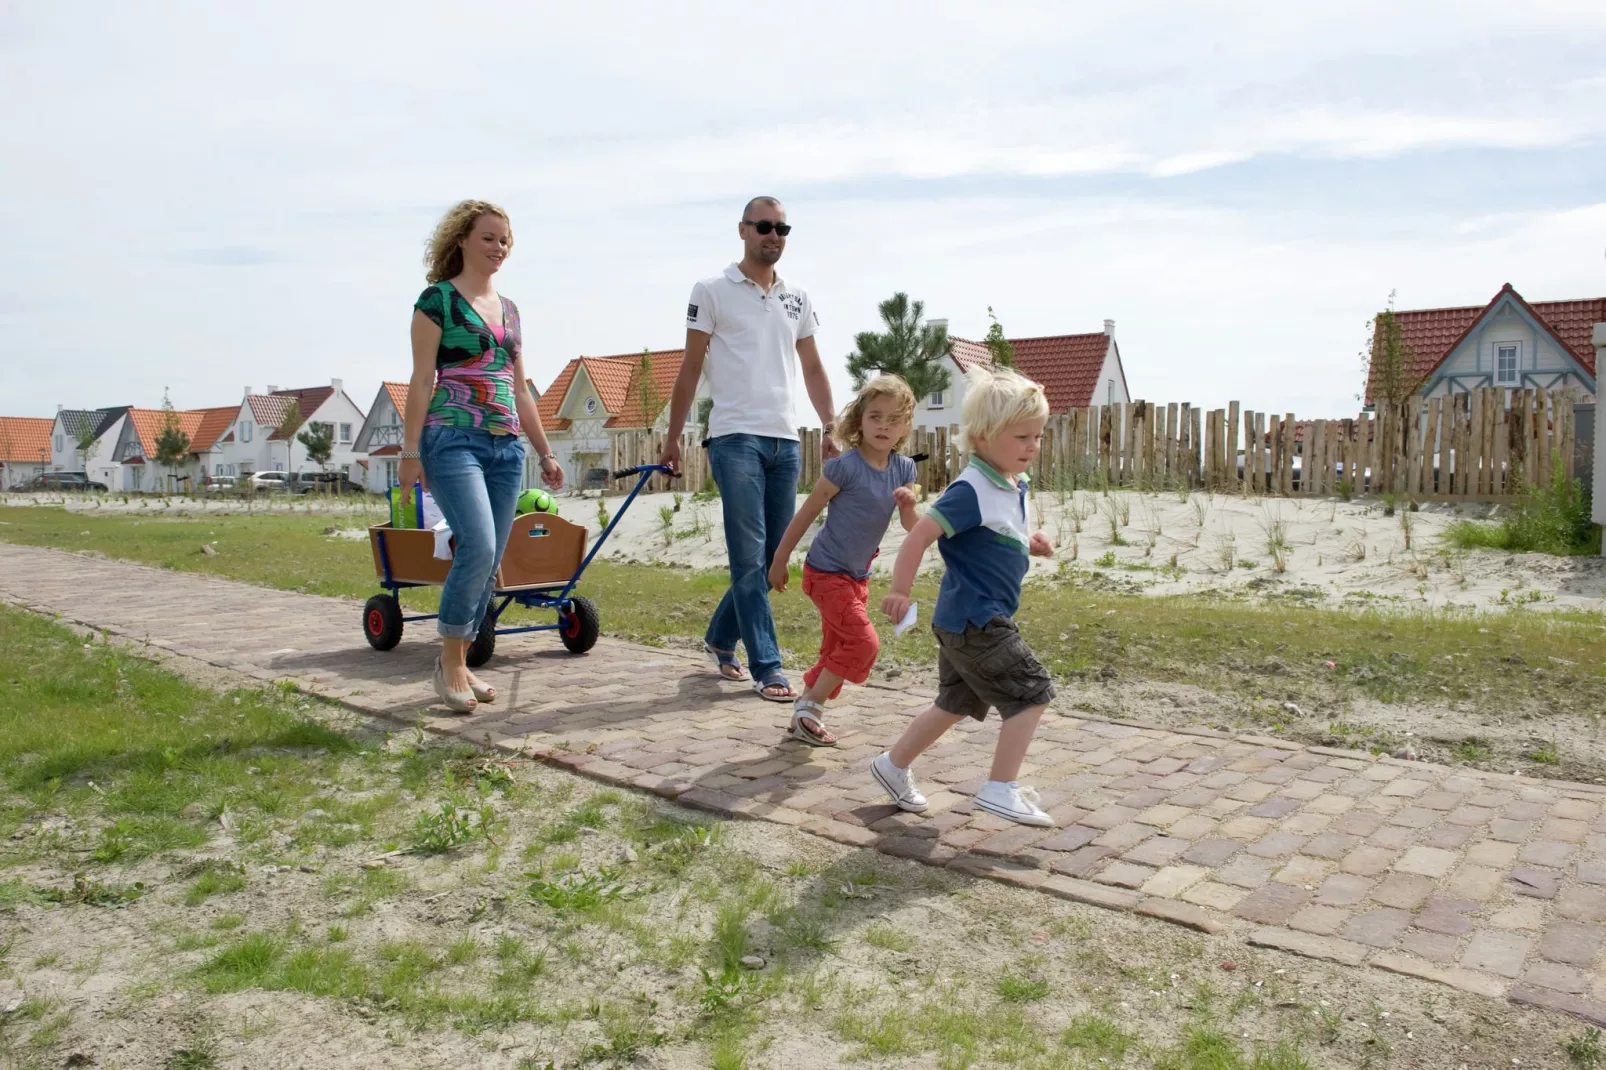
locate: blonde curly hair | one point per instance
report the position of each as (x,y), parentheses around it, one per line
(443,256)
(849,427)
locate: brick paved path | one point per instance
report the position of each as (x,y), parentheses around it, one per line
(1491,883)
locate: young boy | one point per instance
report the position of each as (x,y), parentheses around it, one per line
(982,661)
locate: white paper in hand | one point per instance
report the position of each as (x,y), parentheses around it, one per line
(907,622)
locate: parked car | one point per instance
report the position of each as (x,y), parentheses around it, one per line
(269,482)
(220,484)
(63,481)
(326,483)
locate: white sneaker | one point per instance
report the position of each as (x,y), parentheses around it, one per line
(898,784)
(1010,800)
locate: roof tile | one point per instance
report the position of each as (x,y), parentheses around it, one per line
(22,437)
(1067,365)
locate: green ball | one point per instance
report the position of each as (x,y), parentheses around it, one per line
(536,500)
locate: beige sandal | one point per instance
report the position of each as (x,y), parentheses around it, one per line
(456,701)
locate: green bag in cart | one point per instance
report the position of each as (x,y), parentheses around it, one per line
(407,513)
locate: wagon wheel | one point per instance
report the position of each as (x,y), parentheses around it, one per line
(578,625)
(484,644)
(382,621)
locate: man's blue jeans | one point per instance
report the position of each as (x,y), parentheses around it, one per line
(475,478)
(757,478)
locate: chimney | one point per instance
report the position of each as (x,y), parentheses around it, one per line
(272,389)
(337,384)
(247,390)
(59,406)
(937,323)
(1109,328)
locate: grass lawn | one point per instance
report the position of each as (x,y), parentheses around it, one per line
(245,877)
(1539,662)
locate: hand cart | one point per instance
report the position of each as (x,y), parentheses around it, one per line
(543,561)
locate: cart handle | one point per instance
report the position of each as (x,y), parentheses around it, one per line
(640,469)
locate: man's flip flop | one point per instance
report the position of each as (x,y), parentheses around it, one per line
(777,680)
(724,659)
(805,711)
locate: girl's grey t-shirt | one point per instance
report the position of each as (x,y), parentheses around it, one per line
(859,514)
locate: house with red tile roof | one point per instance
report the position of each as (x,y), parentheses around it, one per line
(379,440)
(593,398)
(1507,342)
(1076,370)
(257,441)
(24,449)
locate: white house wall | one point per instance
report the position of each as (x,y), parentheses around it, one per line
(1540,360)
(1111,386)
(952,400)
(98,463)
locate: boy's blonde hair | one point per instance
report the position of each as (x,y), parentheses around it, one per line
(995,398)
(849,427)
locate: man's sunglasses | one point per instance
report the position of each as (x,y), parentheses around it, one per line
(764,226)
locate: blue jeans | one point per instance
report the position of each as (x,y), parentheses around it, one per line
(757,478)
(475,478)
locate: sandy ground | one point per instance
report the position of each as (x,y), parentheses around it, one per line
(1333,551)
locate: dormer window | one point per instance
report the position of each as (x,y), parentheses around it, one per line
(591,406)
(1507,359)
(935,400)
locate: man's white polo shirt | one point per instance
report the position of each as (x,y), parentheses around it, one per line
(752,365)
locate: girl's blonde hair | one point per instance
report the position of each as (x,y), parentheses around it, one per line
(849,427)
(443,256)
(996,398)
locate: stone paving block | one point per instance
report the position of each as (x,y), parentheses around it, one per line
(1447,837)
(1179,914)
(1435,947)
(1551,1000)
(1342,890)
(1328,948)
(1068,839)
(1368,861)
(1581,904)
(1447,916)
(1208,893)
(1247,871)
(1098,895)
(1407,891)
(1163,815)
(1327,921)
(1108,817)
(1591,872)
(1272,904)
(1332,805)
(1526,811)
(1378,928)
(1426,861)
(1404,788)
(1467,980)
(1172,881)
(1275,807)
(1081,862)
(1245,829)
(1333,845)
(1576,810)
(1510,831)
(1395,837)
(1010,841)
(1357,823)
(1558,977)
(1571,942)
(1124,874)
(1122,837)
(1413,817)
(1276,844)
(1564,831)
(1496,952)
(1536,882)
(1546,853)
(1193,827)
(1488,853)
(1158,851)
(1306,871)
(1471,816)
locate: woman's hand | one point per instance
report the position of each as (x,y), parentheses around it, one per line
(552,473)
(410,472)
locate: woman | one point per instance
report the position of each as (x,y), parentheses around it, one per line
(465,407)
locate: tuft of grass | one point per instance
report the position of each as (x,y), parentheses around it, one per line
(888,938)
(216,878)
(1549,520)
(1584,1050)
(1098,1037)
(202,1056)
(1013,988)
(247,963)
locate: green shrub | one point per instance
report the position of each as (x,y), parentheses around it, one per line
(1549,520)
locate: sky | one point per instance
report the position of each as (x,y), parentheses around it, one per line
(204,197)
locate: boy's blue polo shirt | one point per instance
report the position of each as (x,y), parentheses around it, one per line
(984,547)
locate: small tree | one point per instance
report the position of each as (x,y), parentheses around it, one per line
(909,347)
(1002,352)
(643,390)
(1390,378)
(289,424)
(172,443)
(85,437)
(319,439)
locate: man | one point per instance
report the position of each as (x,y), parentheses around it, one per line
(754,330)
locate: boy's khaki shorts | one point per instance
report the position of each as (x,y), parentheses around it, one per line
(990,666)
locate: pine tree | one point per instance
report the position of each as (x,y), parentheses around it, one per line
(909,347)
(172,443)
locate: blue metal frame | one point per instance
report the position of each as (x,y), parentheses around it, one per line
(536,599)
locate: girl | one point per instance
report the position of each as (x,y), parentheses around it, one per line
(863,486)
